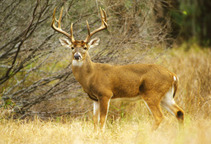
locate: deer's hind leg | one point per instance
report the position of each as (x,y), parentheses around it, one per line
(154,107)
(169,104)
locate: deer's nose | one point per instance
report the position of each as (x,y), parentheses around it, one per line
(77,56)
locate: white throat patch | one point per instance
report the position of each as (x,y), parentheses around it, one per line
(77,63)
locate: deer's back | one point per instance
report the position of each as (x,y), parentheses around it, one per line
(129,80)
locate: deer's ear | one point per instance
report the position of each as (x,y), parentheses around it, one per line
(65,42)
(94,42)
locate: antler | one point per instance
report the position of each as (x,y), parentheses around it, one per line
(102,27)
(59,29)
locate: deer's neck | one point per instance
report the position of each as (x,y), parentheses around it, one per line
(82,69)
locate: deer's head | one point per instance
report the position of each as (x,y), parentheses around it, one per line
(79,47)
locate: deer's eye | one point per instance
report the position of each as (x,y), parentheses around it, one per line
(85,48)
(72,48)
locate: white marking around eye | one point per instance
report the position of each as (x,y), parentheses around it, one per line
(77,63)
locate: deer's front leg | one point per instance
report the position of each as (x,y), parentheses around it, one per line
(96,114)
(104,107)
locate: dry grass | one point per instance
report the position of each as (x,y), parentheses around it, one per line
(131,123)
(193,68)
(79,132)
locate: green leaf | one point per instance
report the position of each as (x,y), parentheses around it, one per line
(185,12)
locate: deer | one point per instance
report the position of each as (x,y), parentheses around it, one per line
(152,83)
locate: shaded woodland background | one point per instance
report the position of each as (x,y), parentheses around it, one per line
(35,71)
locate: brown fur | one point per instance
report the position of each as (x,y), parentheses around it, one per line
(104,82)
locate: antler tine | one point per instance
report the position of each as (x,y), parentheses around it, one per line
(88,29)
(71,32)
(58,28)
(103,16)
(60,18)
(103,26)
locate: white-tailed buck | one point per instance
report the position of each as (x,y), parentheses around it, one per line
(103,82)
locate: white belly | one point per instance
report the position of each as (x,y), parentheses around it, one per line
(130,99)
